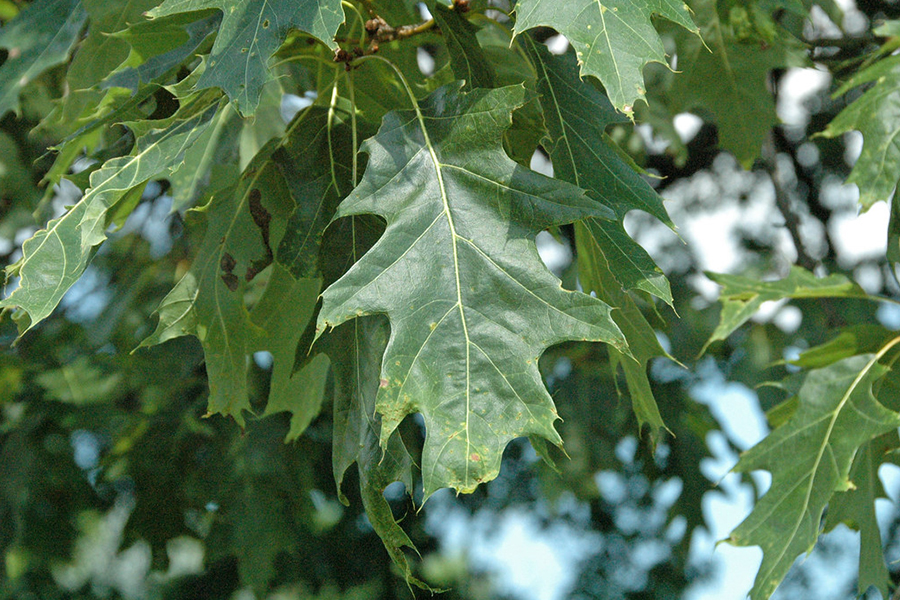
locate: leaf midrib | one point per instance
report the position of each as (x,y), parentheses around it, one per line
(459,303)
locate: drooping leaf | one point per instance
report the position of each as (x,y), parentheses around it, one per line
(282,313)
(55,257)
(281,196)
(874,114)
(613,40)
(208,301)
(837,414)
(466,56)
(596,276)
(356,349)
(852,340)
(250,33)
(728,76)
(741,297)
(577,115)
(856,508)
(160,46)
(458,274)
(40,37)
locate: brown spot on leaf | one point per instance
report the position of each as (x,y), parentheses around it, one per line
(227,263)
(261,216)
(231,281)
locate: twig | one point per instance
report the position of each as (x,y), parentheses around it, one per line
(379,31)
(791,221)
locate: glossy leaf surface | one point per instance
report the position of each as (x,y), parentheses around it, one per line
(250,34)
(458,274)
(613,40)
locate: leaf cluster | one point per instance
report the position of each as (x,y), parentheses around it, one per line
(354,263)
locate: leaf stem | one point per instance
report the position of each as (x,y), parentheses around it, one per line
(353,127)
(400,76)
(360,19)
(887,347)
(782,201)
(331,107)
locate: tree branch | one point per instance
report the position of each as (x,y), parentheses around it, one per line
(782,201)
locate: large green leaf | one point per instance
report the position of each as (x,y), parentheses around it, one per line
(577,115)
(55,257)
(741,297)
(251,32)
(875,115)
(356,349)
(457,272)
(40,37)
(613,40)
(728,76)
(208,301)
(810,458)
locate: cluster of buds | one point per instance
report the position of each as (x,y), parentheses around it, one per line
(342,56)
(461,6)
(379,31)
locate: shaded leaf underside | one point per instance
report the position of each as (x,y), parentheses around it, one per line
(56,256)
(38,38)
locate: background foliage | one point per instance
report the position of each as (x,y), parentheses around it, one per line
(318,218)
